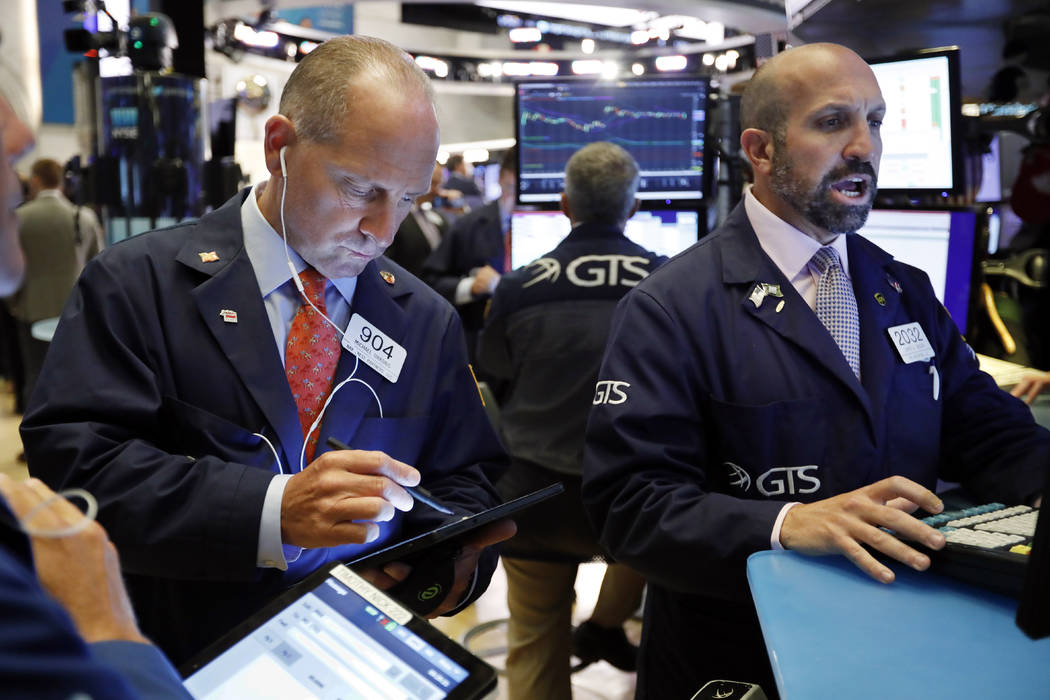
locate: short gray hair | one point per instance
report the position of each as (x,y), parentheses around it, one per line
(600,183)
(317,98)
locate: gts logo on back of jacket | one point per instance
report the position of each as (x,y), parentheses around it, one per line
(610,270)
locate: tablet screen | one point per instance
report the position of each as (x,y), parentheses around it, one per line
(342,638)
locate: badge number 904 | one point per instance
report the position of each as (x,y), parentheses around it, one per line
(374,348)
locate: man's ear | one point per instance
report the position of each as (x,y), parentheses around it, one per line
(279,132)
(565,206)
(757,146)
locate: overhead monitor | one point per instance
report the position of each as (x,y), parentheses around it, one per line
(922,130)
(665,231)
(661,122)
(940,243)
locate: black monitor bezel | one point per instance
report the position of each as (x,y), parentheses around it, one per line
(707,162)
(955,114)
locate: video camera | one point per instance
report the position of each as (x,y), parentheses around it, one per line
(148,41)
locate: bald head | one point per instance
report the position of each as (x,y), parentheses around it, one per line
(766,99)
(812,118)
(333,79)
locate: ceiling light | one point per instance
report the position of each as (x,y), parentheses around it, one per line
(525,35)
(434,65)
(610,69)
(671,63)
(579,12)
(721,63)
(591,66)
(247,35)
(708,59)
(639,36)
(638,69)
(522,69)
(587,46)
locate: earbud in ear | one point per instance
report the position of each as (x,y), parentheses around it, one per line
(284,170)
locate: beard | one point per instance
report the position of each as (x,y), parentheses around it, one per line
(817,204)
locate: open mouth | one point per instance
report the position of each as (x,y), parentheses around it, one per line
(853,187)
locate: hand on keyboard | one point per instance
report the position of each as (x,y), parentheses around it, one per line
(1030,386)
(845,523)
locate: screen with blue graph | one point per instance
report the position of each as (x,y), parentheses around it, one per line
(659,122)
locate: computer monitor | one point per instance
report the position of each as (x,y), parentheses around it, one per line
(661,122)
(940,243)
(922,130)
(665,231)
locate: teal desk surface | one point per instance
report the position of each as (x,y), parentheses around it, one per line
(831,632)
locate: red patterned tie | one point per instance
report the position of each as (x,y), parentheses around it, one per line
(311,355)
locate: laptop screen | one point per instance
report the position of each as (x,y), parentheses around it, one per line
(331,642)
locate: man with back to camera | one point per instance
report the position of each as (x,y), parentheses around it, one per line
(66,624)
(189,365)
(544,337)
(466,267)
(725,397)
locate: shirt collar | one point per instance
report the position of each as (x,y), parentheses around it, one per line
(265,249)
(56,193)
(789,248)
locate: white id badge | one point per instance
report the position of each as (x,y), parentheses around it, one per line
(911,342)
(373,348)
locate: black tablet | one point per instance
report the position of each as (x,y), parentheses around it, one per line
(334,635)
(453,528)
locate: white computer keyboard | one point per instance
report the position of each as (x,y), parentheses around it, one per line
(1006,374)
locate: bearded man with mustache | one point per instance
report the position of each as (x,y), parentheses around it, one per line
(765,399)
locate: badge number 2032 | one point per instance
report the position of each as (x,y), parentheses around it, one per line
(374,348)
(907,335)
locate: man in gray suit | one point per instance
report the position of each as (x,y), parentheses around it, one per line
(48,236)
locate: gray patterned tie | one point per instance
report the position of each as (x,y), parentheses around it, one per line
(836,305)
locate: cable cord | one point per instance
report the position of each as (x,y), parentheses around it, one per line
(302,293)
(89,515)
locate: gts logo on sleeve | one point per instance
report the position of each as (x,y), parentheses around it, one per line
(592,270)
(777,481)
(610,392)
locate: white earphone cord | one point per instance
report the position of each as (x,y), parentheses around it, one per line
(302,293)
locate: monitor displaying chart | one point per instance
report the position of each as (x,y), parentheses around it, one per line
(661,123)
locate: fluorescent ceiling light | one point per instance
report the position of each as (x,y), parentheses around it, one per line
(577,12)
(521,35)
(590,66)
(671,63)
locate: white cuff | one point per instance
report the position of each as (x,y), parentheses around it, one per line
(463,293)
(774,538)
(272,554)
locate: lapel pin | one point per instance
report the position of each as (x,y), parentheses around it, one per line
(880,298)
(757,295)
(780,306)
(210,256)
(228,315)
(772,290)
(388,276)
(895,284)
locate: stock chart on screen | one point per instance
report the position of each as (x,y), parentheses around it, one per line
(659,122)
